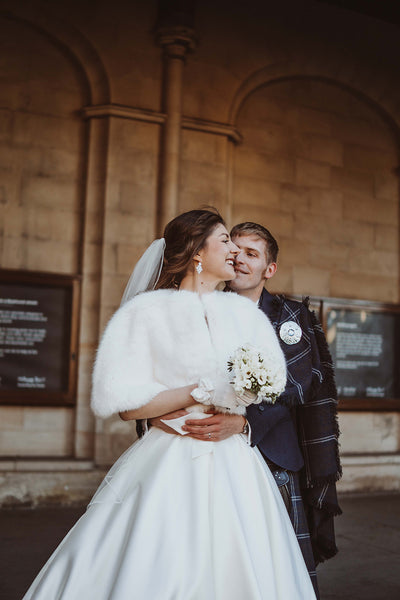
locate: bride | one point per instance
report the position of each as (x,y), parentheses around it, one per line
(178,518)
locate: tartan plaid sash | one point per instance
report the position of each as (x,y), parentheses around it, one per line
(311,389)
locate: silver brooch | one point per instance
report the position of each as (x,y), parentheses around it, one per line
(290,332)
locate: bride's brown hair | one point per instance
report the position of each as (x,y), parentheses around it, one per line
(184,237)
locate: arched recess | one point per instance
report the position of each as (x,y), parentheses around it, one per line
(319,166)
(369,85)
(44,178)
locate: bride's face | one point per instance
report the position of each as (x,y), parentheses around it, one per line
(217,256)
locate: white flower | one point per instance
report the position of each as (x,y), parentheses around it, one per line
(261,378)
(255,372)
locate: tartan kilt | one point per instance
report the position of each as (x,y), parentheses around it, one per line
(299,521)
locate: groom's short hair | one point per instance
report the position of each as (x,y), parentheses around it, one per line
(249,228)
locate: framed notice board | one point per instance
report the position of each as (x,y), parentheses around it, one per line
(364,339)
(38,338)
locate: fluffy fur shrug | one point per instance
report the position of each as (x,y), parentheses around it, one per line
(168,339)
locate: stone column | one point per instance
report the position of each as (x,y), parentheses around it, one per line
(176,42)
(91,270)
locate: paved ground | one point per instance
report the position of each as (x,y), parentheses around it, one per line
(366,568)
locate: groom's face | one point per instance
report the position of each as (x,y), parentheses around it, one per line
(251,265)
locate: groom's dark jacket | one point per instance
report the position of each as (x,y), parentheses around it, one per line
(273,427)
(300,431)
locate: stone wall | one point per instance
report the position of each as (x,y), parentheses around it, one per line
(42,157)
(282,124)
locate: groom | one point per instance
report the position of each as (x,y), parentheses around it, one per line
(297,436)
(305,416)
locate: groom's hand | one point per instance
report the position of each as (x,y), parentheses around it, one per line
(156,421)
(217,427)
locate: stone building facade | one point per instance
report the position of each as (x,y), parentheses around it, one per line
(117,116)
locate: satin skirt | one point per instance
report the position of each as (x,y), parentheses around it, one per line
(180,519)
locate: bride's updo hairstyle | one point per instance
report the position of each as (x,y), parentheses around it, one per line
(184,237)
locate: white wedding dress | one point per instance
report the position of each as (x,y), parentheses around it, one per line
(178,518)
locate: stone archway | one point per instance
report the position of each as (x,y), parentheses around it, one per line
(319,165)
(367,83)
(313,147)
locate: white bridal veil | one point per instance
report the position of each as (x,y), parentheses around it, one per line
(146,272)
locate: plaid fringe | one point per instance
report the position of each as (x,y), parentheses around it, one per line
(299,520)
(311,389)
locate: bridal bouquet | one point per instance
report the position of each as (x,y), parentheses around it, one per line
(255,378)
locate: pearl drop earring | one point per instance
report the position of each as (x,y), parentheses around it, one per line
(199,267)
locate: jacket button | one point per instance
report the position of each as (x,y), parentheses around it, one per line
(261,407)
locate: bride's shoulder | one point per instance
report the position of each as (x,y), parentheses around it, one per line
(152,298)
(142,303)
(240,307)
(233,300)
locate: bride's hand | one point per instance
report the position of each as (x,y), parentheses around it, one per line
(156,421)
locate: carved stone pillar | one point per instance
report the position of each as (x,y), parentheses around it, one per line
(176,42)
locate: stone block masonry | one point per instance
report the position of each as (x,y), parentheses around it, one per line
(334,175)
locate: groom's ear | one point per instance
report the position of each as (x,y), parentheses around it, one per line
(270,270)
